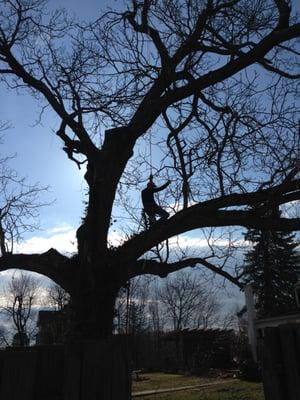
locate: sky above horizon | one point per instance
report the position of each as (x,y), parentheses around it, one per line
(39,154)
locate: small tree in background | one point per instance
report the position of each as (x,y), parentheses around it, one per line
(131,307)
(187,301)
(272,265)
(57,297)
(20,295)
(54,324)
(3,337)
(157,322)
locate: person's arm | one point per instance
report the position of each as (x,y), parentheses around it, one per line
(158,189)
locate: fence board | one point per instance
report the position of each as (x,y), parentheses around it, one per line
(18,375)
(97,370)
(273,374)
(49,373)
(90,370)
(121,379)
(72,373)
(281,362)
(290,357)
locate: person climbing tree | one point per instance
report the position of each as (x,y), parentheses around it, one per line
(151,208)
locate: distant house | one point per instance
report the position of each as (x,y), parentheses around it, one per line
(257,326)
(51,327)
(262,323)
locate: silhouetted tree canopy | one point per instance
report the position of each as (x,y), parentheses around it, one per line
(272,266)
(212,82)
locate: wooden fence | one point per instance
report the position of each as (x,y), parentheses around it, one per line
(87,370)
(280,357)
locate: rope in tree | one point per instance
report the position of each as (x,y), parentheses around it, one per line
(148,51)
(296,161)
(150,156)
(128,284)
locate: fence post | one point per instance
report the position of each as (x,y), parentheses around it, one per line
(251,320)
(280,362)
(291,360)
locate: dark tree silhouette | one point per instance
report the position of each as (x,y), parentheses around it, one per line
(272,266)
(217,76)
(131,307)
(57,297)
(21,295)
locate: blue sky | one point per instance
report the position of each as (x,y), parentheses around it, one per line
(39,154)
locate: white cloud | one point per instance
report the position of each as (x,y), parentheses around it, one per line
(60,229)
(116,238)
(186,241)
(63,240)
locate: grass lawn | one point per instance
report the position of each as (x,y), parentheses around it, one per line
(160,380)
(238,390)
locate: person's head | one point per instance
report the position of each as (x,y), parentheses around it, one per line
(150,185)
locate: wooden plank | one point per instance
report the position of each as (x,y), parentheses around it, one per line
(18,379)
(249,299)
(272,368)
(146,393)
(290,358)
(49,373)
(72,371)
(297,332)
(121,377)
(96,370)
(1,367)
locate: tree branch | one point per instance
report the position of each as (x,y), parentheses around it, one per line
(231,68)
(278,71)
(164,269)
(51,264)
(284,13)
(212,213)
(87,145)
(145,28)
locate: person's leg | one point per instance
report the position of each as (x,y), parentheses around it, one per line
(152,218)
(150,212)
(162,213)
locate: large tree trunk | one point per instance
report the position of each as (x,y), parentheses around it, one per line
(93,309)
(101,361)
(97,363)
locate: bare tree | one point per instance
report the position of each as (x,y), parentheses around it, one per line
(218,77)
(188,302)
(132,306)
(155,309)
(20,295)
(57,297)
(20,203)
(4,340)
